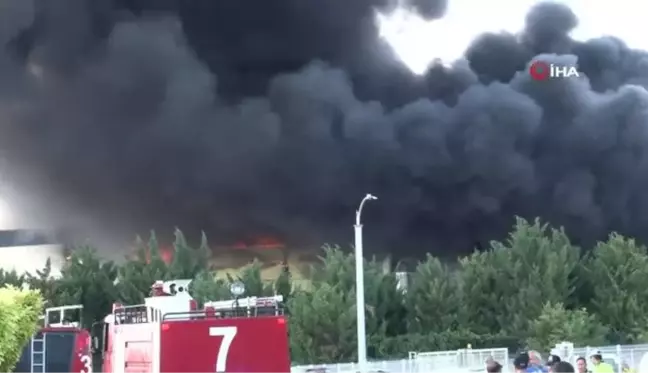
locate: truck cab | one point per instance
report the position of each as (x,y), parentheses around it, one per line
(168,333)
(60,345)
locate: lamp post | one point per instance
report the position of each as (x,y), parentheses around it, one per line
(360,302)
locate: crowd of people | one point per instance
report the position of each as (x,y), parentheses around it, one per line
(531,362)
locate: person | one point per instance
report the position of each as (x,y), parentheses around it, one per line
(625,368)
(581,365)
(599,365)
(535,363)
(528,362)
(493,366)
(552,360)
(521,362)
(562,367)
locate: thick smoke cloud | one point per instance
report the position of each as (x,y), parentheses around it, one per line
(275,117)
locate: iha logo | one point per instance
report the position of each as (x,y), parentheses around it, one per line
(542,71)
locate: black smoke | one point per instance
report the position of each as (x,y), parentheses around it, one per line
(275,117)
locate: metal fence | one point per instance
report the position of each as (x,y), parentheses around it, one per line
(464,360)
(474,360)
(617,355)
(453,361)
(402,365)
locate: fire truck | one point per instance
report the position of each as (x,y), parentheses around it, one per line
(169,334)
(61,345)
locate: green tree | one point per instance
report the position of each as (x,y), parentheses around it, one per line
(335,267)
(11,278)
(283,284)
(506,286)
(207,287)
(188,262)
(88,281)
(557,324)
(136,276)
(45,283)
(434,298)
(386,312)
(335,277)
(617,273)
(19,314)
(322,325)
(250,276)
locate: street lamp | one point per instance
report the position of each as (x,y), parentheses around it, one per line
(360,302)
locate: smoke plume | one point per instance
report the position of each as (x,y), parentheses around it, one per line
(276,117)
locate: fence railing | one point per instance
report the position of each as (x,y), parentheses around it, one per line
(618,356)
(474,360)
(401,365)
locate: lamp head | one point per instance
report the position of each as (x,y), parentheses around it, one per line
(371,197)
(237,288)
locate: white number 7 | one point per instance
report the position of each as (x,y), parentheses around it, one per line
(228,333)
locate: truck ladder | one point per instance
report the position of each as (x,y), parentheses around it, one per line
(38,353)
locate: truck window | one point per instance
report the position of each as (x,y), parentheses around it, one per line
(59,347)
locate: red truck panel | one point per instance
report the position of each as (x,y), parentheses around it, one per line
(131,348)
(138,356)
(256,344)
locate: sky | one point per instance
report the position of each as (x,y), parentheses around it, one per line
(417,43)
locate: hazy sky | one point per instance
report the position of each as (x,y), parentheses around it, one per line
(419,42)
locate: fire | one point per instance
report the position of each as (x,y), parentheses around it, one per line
(261,242)
(166,253)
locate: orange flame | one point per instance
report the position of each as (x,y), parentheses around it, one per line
(166,254)
(261,242)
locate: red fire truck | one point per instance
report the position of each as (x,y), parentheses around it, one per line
(166,334)
(61,345)
(169,334)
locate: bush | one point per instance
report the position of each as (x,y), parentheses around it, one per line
(19,314)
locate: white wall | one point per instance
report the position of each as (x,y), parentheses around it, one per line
(31,258)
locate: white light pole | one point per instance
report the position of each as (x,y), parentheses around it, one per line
(360,302)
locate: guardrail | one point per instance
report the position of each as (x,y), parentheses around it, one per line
(430,362)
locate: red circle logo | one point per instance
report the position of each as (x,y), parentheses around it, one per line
(539,70)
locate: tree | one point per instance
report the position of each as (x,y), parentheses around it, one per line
(45,283)
(250,276)
(11,278)
(506,286)
(557,324)
(19,314)
(283,284)
(188,262)
(617,273)
(384,303)
(334,279)
(88,281)
(322,325)
(207,287)
(335,267)
(137,275)
(434,298)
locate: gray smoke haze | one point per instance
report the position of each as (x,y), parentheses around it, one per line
(275,117)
